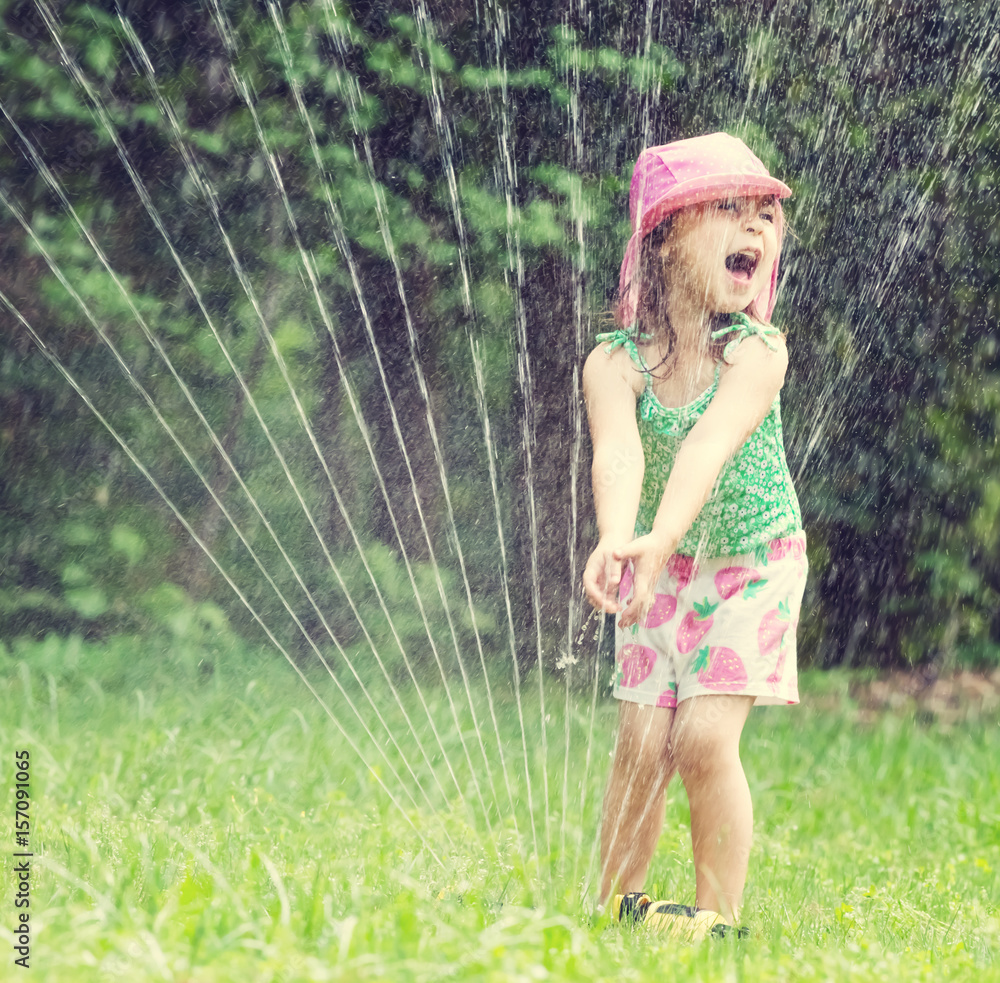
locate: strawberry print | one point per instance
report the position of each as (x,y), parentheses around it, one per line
(668,698)
(681,567)
(720,669)
(694,626)
(792,546)
(729,581)
(779,671)
(636,664)
(772,628)
(663,609)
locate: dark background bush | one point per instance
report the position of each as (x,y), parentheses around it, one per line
(411,217)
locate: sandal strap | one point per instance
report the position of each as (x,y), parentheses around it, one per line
(671,908)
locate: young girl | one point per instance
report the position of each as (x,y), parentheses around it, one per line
(701,547)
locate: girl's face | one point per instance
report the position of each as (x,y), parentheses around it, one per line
(719,255)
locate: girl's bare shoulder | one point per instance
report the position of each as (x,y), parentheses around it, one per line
(607,370)
(757,365)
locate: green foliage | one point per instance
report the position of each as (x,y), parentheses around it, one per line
(351,220)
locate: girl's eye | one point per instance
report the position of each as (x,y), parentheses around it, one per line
(767,216)
(727,206)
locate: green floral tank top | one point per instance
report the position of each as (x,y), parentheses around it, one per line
(753,500)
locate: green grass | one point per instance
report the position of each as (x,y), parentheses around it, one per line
(192,825)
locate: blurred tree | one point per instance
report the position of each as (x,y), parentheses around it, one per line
(343,242)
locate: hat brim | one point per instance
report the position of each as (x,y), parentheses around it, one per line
(710,187)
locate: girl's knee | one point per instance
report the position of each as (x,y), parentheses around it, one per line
(697,757)
(689,754)
(643,765)
(706,736)
(642,775)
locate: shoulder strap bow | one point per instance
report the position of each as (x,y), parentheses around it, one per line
(745,328)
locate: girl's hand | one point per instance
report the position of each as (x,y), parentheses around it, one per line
(603,574)
(649,555)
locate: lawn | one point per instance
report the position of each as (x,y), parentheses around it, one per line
(197,821)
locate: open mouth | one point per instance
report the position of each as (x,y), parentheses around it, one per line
(742,265)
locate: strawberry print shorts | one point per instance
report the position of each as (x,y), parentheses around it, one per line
(721,625)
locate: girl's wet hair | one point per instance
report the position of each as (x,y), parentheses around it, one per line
(651,317)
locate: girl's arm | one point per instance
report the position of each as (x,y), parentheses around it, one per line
(610,387)
(747,388)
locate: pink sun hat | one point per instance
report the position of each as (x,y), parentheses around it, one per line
(687,172)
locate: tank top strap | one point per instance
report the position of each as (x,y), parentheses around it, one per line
(624,339)
(745,328)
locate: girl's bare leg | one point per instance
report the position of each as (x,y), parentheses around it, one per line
(705,747)
(634,800)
